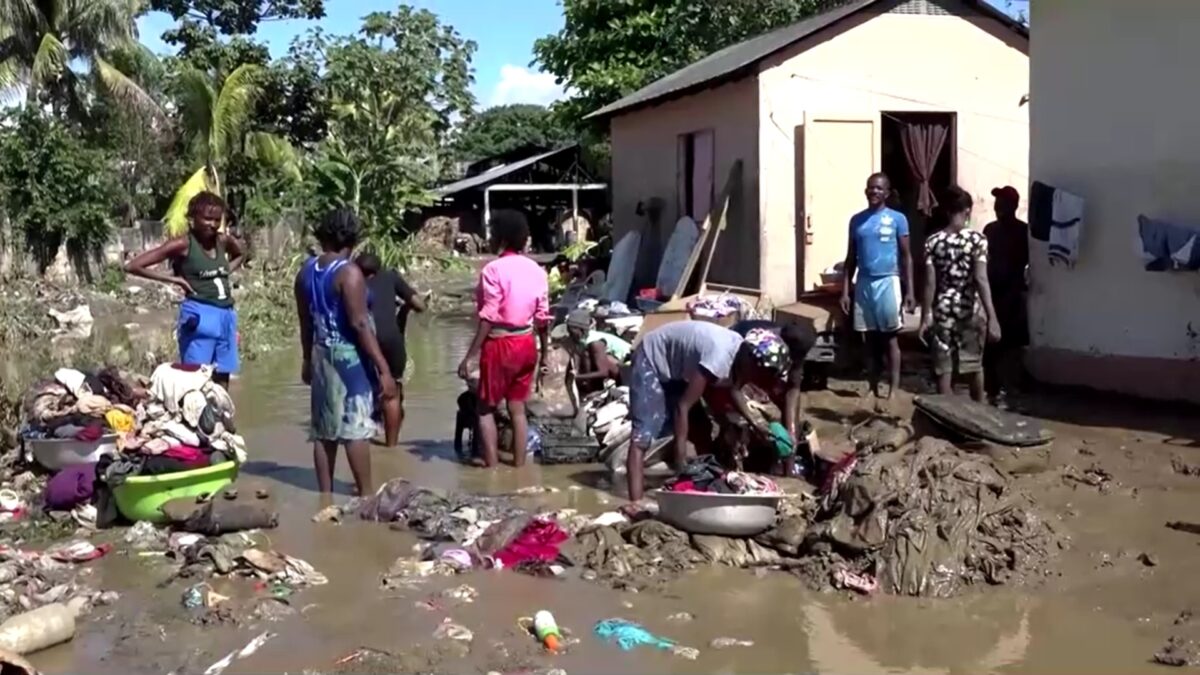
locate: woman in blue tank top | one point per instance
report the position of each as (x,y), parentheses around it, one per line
(343,363)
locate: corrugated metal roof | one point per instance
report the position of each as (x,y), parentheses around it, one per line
(496,173)
(736,60)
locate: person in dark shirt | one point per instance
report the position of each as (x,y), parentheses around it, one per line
(1008,258)
(385,287)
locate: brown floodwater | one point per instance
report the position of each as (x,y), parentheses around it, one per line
(1098,617)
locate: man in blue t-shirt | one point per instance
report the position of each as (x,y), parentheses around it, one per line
(878,251)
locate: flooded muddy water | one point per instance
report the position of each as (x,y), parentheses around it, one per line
(1106,612)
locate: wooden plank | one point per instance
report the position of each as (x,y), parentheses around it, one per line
(720,211)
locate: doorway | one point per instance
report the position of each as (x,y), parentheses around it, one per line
(896,162)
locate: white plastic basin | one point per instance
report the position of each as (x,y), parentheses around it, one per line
(56,453)
(714,513)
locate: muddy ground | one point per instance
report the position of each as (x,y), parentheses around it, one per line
(1116,592)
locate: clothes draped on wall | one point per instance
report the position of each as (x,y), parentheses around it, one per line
(1168,246)
(923,144)
(1056,217)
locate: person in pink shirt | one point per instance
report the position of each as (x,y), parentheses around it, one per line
(513,302)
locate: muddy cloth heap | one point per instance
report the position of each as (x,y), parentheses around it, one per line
(721,306)
(928,520)
(437,515)
(650,552)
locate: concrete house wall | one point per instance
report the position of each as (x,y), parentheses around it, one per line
(1113,121)
(645,165)
(882,60)
(950,58)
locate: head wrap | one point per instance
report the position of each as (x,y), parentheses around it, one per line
(768,349)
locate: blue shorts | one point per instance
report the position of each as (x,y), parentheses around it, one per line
(877,305)
(208,336)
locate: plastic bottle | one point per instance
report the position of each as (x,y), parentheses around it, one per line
(547,630)
(40,628)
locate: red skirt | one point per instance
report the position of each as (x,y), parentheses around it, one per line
(506,368)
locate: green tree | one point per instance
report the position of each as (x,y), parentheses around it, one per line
(214,119)
(202,23)
(506,127)
(42,42)
(394,90)
(607,49)
(55,189)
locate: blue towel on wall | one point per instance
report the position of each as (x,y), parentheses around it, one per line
(1168,246)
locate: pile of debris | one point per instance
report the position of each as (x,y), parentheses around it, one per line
(928,520)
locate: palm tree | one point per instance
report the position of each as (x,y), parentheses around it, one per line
(44,42)
(214,118)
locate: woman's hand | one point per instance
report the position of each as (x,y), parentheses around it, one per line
(306,372)
(993,331)
(464,369)
(387,389)
(185,286)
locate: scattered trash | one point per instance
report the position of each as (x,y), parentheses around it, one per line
(546,629)
(536,490)
(1148,559)
(609,519)
(1180,526)
(863,583)
(457,558)
(628,635)
(181,540)
(539,568)
(78,552)
(79,316)
(689,653)
(193,597)
(463,594)
(1178,652)
(329,514)
(253,646)
(728,642)
(43,627)
(448,630)
(1179,466)
(286,568)
(144,536)
(15,665)
(682,617)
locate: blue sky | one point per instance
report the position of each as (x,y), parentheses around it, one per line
(503,29)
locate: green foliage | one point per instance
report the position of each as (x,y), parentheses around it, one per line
(608,49)
(111,279)
(54,188)
(506,127)
(47,43)
(202,22)
(394,89)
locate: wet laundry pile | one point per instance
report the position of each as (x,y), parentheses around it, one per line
(926,520)
(177,420)
(705,474)
(74,405)
(721,306)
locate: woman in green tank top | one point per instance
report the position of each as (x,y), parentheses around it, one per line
(201,263)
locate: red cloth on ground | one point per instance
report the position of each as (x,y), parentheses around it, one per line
(91,432)
(682,486)
(538,541)
(506,368)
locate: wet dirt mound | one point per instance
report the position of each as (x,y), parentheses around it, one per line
(929,520)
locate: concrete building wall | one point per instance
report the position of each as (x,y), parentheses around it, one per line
(1113,121)
(879,61)
(645,165)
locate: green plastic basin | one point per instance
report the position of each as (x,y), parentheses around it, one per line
(142,497)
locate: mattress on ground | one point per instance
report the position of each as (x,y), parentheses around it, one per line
(980,421)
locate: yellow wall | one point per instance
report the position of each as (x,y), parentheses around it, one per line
(876,62)
(644,164)
(1113,118)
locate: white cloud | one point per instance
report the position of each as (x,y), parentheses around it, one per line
(522,85)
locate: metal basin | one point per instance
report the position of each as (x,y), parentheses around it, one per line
(56,453)
(721,514)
